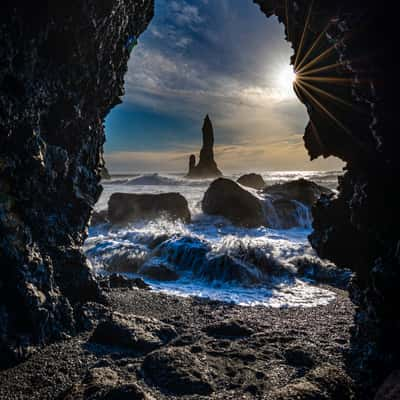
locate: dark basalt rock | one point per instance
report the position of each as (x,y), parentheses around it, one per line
(301,190)
(117,281)
(61,72)
(155,269)
(207,167)
(390,389)
(229,328)
(359,227)
(99,218)
(104,383)
(130,207)
(129,260)
(226,198)
(178,371)
(136,333)
(104,174)
(254,181)
(226,268)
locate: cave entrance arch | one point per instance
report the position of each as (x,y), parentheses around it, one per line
(43,268)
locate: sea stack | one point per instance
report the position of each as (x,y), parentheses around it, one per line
(207,167)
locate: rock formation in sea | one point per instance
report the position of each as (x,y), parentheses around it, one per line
(206,167)
(226,198)
(255,181)
(62,70)
(131,207)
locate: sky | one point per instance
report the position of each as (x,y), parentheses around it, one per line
(221,57)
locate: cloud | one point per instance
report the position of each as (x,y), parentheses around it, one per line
(218,57)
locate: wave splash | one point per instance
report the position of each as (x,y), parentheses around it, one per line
(274,267)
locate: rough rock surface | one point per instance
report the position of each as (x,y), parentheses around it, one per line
(131,207)
(159,271)
(255,181)
(359,227)
(226,198)
(301,190)
(253,366)
(133,332)
(207,167)
(104,383)
(178,371)
(61,71)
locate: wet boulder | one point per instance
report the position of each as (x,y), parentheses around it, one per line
(228,199)
(136,333)
(290,214)
(302,190)
(185,253)
(158,270)
(178,371)
(226,268)
(255,181)
(129,260)
(117,281)
(131,207)
(99,217)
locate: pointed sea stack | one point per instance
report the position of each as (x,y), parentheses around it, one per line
(207,167)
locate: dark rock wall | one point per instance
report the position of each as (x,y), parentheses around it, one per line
(62,65)
(360,227)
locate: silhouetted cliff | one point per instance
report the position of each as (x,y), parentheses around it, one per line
(62,69)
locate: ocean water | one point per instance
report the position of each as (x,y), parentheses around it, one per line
(213,258)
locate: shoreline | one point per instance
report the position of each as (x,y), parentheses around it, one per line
(286,348)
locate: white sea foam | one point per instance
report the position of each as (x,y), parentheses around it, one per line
(279,248)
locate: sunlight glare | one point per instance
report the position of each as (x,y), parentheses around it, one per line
(285,80)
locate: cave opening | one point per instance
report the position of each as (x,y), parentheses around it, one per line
(51,158)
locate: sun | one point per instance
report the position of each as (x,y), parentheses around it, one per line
(286,77)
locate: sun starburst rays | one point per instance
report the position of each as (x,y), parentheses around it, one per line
(315,76)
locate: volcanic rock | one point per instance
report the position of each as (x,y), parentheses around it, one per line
(178,371)
(127,260)
(133,332)
(115,281)
(254,181)
(129,207)
(61,75)
(207,167)
(99,218)
(226,268)
(301,190)
(229,328)
(104,383)
(226,198)
(155,269)
(104,174)
(390,389)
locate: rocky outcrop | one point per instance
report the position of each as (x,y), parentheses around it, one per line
(133,332)
(104,382)
(301,190)
(255,181)
(226,198)
(62,70)
(131,207)
(353,116)
(178,371)
(104,174)
(207,167)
